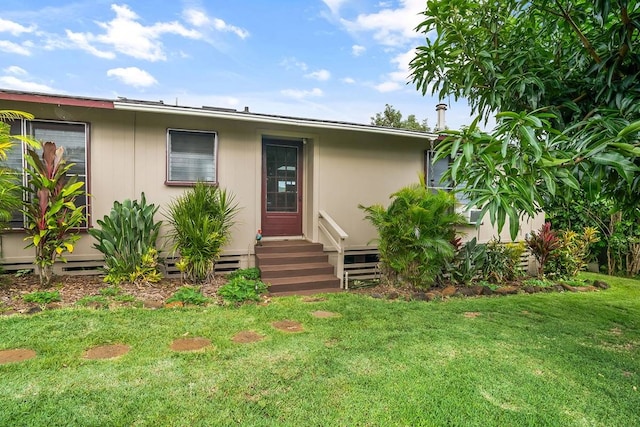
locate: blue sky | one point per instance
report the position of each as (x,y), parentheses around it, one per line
(323,59)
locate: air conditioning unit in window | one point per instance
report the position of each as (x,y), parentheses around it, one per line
(472,216)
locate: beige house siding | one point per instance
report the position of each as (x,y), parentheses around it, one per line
(342,169)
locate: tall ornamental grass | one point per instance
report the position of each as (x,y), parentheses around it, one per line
(201,221)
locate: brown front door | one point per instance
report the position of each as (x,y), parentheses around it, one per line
(281,187)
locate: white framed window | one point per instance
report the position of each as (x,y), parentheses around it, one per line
(192,157)
(72,136)
(434,171)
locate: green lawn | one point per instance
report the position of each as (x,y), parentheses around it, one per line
(545,359)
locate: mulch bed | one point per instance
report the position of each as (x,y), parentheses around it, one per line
(74,288)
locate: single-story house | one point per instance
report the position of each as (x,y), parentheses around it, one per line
(294,178)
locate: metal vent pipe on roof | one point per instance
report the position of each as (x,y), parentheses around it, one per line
(440,125)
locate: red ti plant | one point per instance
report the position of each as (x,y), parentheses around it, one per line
(50,210)
(542,244)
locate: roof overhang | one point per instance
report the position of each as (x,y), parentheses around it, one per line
(268,119)
(226,114)
(42,98)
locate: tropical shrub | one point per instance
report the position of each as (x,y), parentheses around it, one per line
(572,254)
(127,239)
(51,213)
(468,261)
(542,244)
(502,261)
(415,233)
(240,289)
(201,220)
(10,184)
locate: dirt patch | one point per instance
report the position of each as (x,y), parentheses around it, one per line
(16,355)
(190,344)
(107,351)
(313,299)
(246,337)
(471,314)
(288,326)
(320,314)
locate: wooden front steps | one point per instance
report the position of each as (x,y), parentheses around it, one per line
(295,267)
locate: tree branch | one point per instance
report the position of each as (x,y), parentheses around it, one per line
(583,38)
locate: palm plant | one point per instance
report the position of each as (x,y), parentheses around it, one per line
(10,183)
(201,219)
(416,232)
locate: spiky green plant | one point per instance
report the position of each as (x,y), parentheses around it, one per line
(415,233)
(10,183)
(201,220)
(127,238)
(51,213)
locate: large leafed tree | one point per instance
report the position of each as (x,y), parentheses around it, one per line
(562,79)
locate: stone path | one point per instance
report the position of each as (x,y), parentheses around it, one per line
(191,344)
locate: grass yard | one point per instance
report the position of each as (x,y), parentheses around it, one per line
(568,359)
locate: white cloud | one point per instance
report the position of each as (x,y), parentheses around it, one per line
(301,94)
(126,35)
(390,27)
(14,28)
(81,41)
(290,63)
(334,5)
(11,47)
(11,82)
(200,19)
(396,80)
(15,70)
(388,86)
(348,80)
(322,75)
(357,50)
(132,76)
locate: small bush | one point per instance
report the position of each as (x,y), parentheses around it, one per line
(201,221)
(42,297)
(127,239)
(415,233)
(189,295)
(252,273)
(240,289)
(502,261)
(94,300)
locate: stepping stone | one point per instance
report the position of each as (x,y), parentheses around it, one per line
(313,299)
(106,351)
(320,314)
(190,344)
(288,326)
(245,337)
(16,355)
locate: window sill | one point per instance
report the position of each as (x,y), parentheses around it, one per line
(188,183)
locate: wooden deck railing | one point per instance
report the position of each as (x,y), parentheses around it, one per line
(336,236)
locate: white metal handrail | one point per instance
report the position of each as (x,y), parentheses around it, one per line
(336,236)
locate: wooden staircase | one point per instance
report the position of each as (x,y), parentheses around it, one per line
(295,267)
